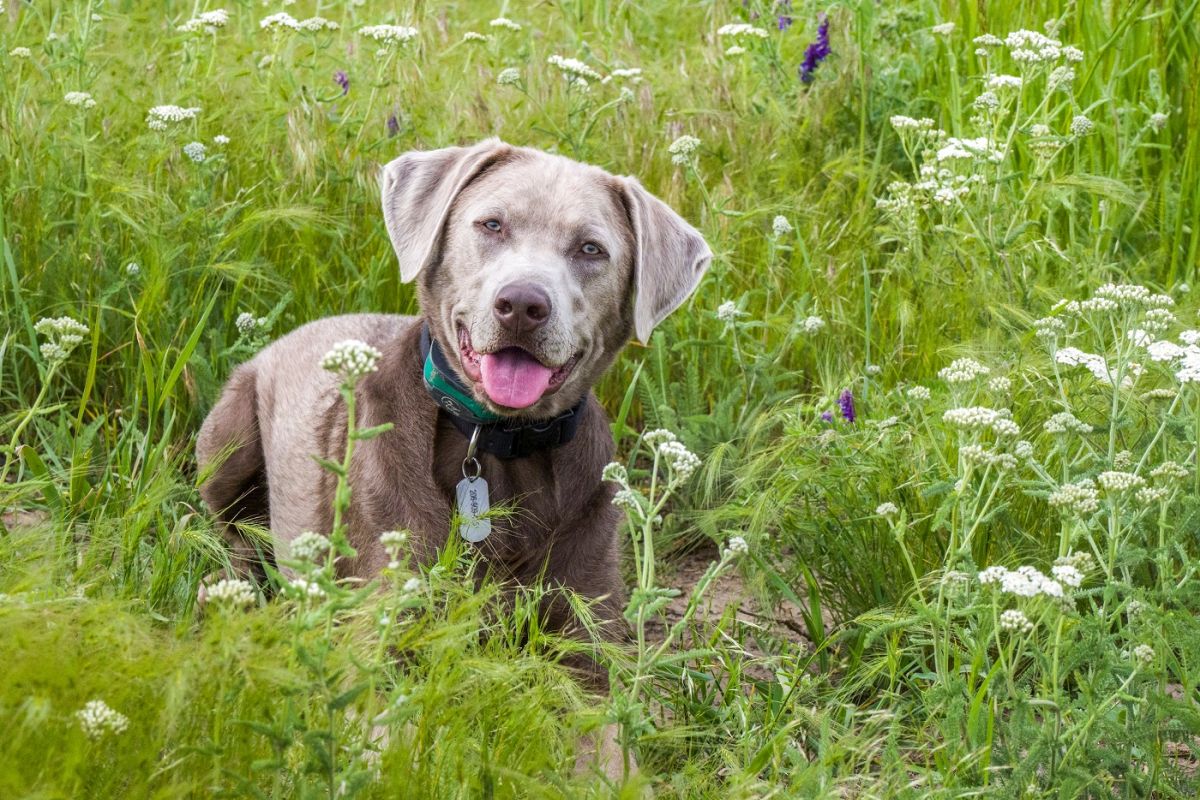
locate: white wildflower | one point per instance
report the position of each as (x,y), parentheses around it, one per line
(1000,384)
(474,36)
(943,29)
(987,101)
(811,324)
(1169,471)
(683,148)
(20,52)
(411,585)
(780,226)
(1067,575)
(279,22)
(1060,77)
(1065,422)
(679,459)
(1158,121)
(988,40)
(389,35)
(351,359)
(62,334)
(231,593)
(97,719)
(160,118)
(1143,653)
(505,22)
(1119,481)
(1072,54)
(1023,449)
(972,417)
(573,68)
(658,436)
(919,393)
(220,140)
(208,22)
(196,151)
(1081,125)
(991,575)
(963,370)
(728,312)
(1150,495)
(736,546)
(509,76)
(741,29)
(305,588)
(309,546)
(79,100)
(132,269)
(1080,498)
(317,24)
(1014,620)
(1004,82)
(887,509)
(734,50)
(614,472)
(626,499)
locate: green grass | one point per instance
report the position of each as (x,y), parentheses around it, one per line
(908,685)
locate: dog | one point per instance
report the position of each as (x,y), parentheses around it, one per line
(533,271)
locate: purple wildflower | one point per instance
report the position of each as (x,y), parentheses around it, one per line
(393,124)
(784,21)
(343,80)
(827,416)
(846,401)
(816,52)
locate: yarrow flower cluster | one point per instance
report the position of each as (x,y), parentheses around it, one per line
(780,226)
(79,100)
(21,52)
(208,22)
(1080,498)
(1024,581)
(97,719)
(305,589)
(351,359)
(196,151)
(1114,481)
(683,149)
(505,22)
(510,76)
(573,68)
(161,118)
(738,30)
(1143,654)
(887,509)
(62,335)
(389,36)
(811,324)
(736,546)
(982,418)
(728,312)
(231,593)
(1065,422)
(919,393)
(1014,620)
(309,547)
(963,370)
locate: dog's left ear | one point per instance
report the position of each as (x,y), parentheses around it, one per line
(418,190)
(671,258)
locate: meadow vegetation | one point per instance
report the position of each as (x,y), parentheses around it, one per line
(939,395)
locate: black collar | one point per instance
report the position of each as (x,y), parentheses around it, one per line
(502,437)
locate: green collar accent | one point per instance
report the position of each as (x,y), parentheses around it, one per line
(446,390)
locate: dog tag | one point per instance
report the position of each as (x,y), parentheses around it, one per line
(472,506)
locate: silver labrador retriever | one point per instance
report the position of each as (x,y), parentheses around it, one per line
(533,271)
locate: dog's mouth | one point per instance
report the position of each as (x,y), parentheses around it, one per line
(511,377)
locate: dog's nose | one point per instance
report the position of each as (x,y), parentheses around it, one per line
(521,307)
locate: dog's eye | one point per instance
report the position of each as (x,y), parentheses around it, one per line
(591,249)
(493,225)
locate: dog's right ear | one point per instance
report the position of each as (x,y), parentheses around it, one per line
(418,190)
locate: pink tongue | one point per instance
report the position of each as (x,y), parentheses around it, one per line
(513,378)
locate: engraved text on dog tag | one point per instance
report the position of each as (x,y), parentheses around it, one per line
(472,506)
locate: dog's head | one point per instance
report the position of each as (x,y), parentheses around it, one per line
(534,269)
